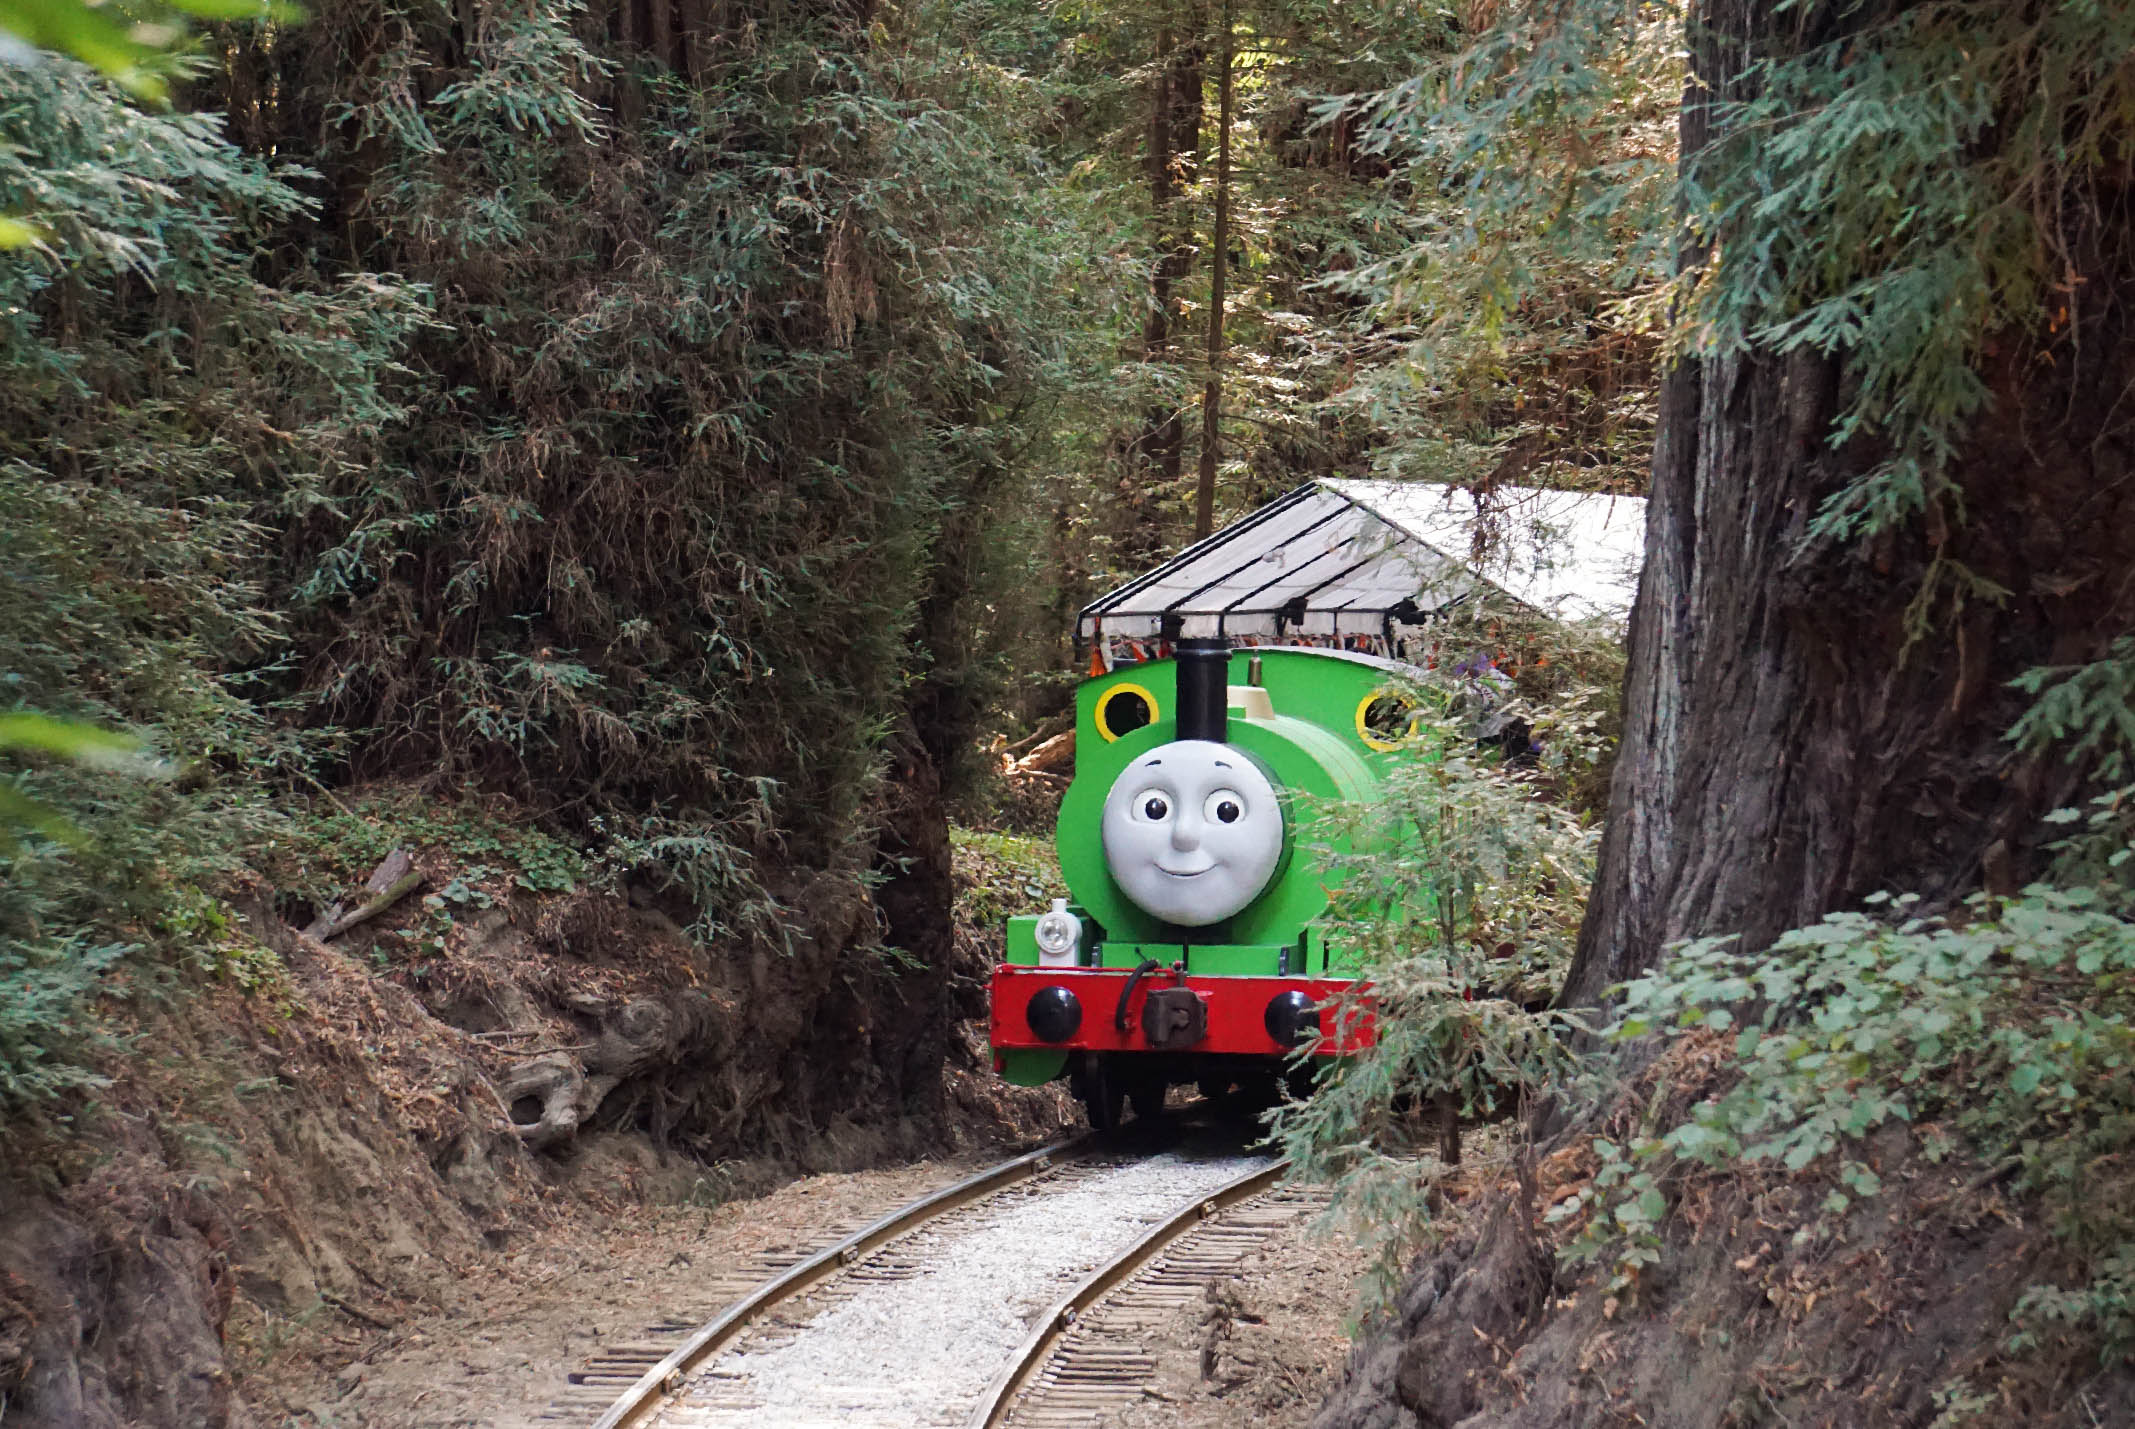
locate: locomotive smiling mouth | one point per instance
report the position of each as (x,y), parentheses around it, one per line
(1175,873)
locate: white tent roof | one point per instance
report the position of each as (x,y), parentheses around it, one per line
(1339,557)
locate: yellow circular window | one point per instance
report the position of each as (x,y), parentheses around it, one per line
(1384,719)
(1123,709)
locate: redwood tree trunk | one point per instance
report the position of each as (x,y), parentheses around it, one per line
(1219,261)
(1788,745)
(1157,455)
(1792,742)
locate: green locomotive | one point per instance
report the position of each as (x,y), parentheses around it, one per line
(1188,950)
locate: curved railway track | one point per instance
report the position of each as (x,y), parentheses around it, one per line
(1018,1297)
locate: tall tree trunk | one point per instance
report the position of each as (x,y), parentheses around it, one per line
(1789,745)
(943,703)
(1157,453)
(1219,262)
(1794,739)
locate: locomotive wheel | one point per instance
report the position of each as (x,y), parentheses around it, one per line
(1103,1098)
(1147,1100)
(1256,1092)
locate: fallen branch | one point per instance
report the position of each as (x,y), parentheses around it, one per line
(1046,730)
(392,880)
(353,1313)
(1053,754)
(407,884)
(317,927)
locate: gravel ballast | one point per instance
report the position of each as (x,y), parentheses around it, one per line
(922,1351)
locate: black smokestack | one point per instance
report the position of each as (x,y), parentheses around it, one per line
(1204,693)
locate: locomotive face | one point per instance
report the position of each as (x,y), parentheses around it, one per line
(1191,831)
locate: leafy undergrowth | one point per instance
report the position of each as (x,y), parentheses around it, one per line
(1752,1297)
(1459,895)
(999,875)
(2003,1035)
(1881,1173)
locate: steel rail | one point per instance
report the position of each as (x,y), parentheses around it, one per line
(1109,1277)
(667,1378)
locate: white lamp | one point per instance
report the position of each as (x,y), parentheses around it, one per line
(1059,936)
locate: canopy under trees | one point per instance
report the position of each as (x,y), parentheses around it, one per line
(1345,559)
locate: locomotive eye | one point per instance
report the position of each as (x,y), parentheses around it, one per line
(1226,806)
(1155,808)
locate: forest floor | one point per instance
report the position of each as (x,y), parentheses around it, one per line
(494,1348)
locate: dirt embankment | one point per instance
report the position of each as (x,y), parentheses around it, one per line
(274,1174)
(1761,1310)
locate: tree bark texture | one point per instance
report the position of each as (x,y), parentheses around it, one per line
(910,1031)
(1790,744)
(1157,453)
(1218,263)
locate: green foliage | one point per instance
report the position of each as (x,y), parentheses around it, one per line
(2098,847)
(1308,201)
(2085,707)
(202,932)
(71,739)
(43,988)
(78,920)
(712,385)
(639,520)
(148,423)
(129,43)
(1001,875)
(2011,1027)
(1302,201)
(1899,193)
(331,851)
(1903,187)
(1567,677)
(67,739)
(1510,324)
(1460,902)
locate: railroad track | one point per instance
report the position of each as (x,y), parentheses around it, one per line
(1018,1297)
(1093,1356)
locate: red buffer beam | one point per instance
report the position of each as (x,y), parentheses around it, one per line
(1237,1010)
